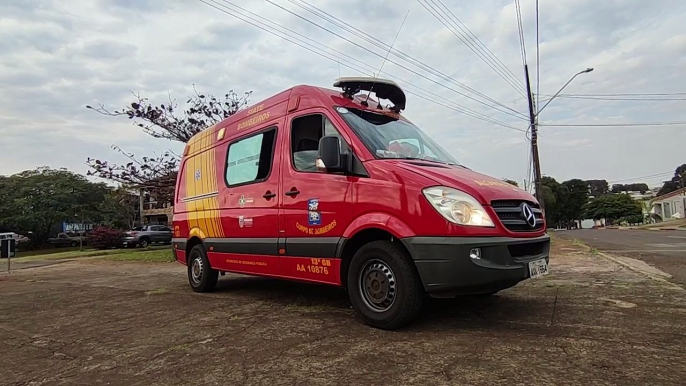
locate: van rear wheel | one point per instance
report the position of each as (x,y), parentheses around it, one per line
(201,276)
(383,286)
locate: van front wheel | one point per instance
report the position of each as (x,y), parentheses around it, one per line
(201,276)
(383,285)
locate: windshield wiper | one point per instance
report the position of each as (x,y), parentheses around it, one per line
(428,160)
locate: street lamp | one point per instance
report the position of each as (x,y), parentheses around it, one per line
(533,120)
(563,87)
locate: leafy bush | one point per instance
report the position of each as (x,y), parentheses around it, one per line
(634,219)
(105,238)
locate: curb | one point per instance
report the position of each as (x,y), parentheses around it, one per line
(634,269)
(644,273)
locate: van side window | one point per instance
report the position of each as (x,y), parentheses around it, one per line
(250,159)
(305,135)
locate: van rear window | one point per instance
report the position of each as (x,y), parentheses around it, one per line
(250,159)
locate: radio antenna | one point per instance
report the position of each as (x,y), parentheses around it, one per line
(365,102)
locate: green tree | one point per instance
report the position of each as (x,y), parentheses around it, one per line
(36,200)
(598,187)
(677,182)
(638,187)
(120,209)
(555,197)
(511,182)
(577,197)
(613,207)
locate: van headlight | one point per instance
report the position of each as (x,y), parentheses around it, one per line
(457,207)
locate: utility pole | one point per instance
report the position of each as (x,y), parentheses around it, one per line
(533,122)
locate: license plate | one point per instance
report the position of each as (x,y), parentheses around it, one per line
(538,268)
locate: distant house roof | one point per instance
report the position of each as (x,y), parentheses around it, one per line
(670,194)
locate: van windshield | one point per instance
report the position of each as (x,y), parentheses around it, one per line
(388,137)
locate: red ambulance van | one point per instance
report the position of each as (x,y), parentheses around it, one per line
(331,187)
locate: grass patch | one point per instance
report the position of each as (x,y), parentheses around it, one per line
(71,254)
(578,242)
(158,291)
(50,251)
(142,256)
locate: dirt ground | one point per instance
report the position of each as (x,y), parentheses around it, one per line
(591,322)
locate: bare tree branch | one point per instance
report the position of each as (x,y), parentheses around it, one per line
(157,174)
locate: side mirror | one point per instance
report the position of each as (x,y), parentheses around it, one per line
(330,154)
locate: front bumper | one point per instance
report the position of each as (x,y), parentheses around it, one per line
(446,270)
(129,240)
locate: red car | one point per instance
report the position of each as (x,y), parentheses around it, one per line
(323,186)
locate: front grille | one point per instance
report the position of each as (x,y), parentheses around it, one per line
(512,204)
(510,214)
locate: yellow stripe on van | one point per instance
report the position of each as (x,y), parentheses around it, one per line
(216,214)
(202,186)
(208,187)
(193,215)
(204,213)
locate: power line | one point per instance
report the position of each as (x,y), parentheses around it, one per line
(299,42)
(480,43)
(401,55)
(442,20)
(307,41)
(634,124)
(476,43)
(642,177)
(391,61)
(520,28)
(628,94)
(627,99)
(459,111)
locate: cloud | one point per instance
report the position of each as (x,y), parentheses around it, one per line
(59,56)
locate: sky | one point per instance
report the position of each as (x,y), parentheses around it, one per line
(58,56)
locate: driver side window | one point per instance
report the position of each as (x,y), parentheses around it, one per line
(305,135)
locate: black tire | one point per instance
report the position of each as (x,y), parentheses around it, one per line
(204,280)
(167,243)
(74,244)
(395,299)
(144,242)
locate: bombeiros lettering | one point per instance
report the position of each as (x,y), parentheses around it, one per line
(254,120)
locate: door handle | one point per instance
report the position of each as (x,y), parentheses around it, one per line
(269,195)
(293,192)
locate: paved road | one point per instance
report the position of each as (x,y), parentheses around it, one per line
(665,250)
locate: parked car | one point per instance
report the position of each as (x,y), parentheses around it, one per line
(148,234)
(21,239)
(64,239)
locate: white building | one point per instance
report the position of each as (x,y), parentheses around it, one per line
(671,205)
